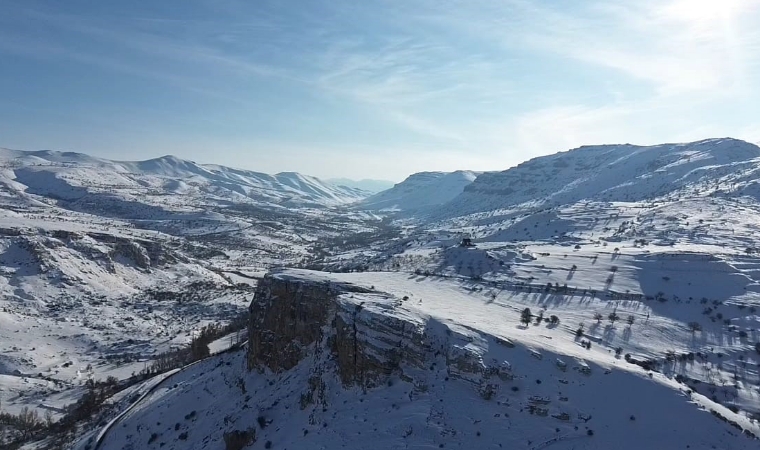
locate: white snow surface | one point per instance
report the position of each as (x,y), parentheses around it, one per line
(623,173)
(73,176)
(421,191)
(614,405)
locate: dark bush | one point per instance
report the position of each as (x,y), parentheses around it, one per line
(238,439)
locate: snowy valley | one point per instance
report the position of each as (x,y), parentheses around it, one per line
(602,297)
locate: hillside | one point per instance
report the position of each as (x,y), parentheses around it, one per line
(426,363)
(613,173)
(420,192)
(372,186)
(82,179)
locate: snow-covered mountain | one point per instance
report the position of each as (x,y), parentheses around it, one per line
(604,297)
(73,177)
(420,191)
(613,173)
(373,186)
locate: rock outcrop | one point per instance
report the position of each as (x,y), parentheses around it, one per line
(368,336)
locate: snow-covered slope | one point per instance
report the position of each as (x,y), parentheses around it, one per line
(420,191)
(73,176)
(612,173)
(373,186)
(378,360)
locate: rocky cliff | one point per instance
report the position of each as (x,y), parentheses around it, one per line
(368,333)
(385,360)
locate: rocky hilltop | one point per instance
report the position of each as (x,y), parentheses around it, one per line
(341,328)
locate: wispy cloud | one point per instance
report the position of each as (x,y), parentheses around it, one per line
(492,81)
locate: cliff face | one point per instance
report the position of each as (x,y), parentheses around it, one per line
(288,316)
(291,318)
(364,331)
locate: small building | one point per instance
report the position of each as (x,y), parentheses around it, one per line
(466,241)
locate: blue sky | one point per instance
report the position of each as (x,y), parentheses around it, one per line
(373,88)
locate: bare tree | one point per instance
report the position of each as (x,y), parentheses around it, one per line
(28,422)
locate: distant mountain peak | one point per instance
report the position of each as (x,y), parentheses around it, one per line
(367,185)
(421,191)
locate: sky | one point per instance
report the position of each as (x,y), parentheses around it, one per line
(373,88)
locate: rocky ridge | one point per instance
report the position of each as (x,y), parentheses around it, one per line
(367,337)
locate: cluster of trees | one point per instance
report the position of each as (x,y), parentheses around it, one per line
(614,317)
(198,348)
(28,425)
(526,317)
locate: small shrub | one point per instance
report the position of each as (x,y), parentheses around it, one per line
(239,439)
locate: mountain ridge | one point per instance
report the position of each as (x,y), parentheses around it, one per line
(78,171)
(420,191)
(608,173)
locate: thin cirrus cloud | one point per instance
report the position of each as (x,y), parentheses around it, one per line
(476,84)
